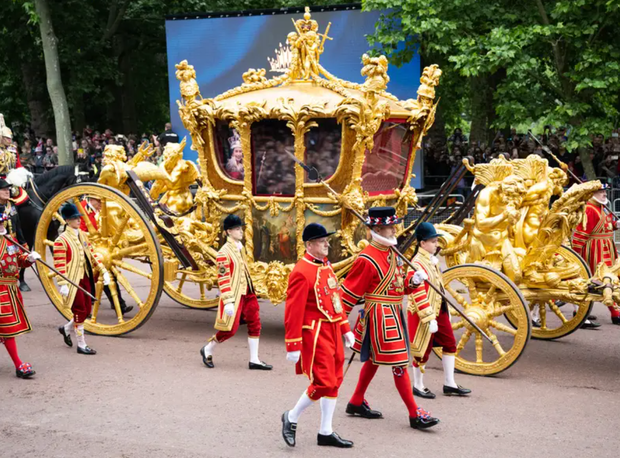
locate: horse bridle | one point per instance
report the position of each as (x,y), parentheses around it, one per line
(33,186)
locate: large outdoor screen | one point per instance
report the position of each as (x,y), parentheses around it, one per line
(221,49)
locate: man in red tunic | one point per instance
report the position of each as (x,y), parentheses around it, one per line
(237,297)
(13,319)
(313,324)
(377,278)
(593,239)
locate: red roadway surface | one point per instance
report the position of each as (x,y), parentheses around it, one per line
(148,395)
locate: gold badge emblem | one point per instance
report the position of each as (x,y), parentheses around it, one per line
(337,303)
(332,282)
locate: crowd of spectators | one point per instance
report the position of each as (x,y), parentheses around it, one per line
(442,159)
(40,154)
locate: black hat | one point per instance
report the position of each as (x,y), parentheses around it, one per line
(69,211)
(382,216)
(426,231)
(4,184)
(232,221)
(315,231)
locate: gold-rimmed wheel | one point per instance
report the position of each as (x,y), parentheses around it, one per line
(192,290)
(127,245)
(486,295)
(553,318)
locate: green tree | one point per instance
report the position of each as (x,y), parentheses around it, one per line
(558,60)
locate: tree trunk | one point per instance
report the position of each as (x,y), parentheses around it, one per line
(588,167)
(38,101)
(54,84)
(479,87)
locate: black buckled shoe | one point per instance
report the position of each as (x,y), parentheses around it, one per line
(86,351)
(589,324)
(423,420)
(458,391)
(65,336)
(289,430)
(536,323)
(333,440)
(363,411)
(207,360)
(25,370)
(425,393)
(260,367)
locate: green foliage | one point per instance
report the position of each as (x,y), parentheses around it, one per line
(561,57)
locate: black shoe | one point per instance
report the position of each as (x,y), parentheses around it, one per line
(86,351)
(363,411)
(260,367)
(25,370)
(590,317)
(289,430)
(426,393)
(560,303)
(23,287)
(207,360)
(458,391)
(615,320)
(333,440)
(589,324)
(124,307)
(536,324)
(65,336)
(423,422)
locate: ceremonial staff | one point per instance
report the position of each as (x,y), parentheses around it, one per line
(49,267)
(313,175)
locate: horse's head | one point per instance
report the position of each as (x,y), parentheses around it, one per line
(19,177)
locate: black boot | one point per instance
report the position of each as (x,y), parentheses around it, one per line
(615,320)
(333,440)
(363,411)
(289,430)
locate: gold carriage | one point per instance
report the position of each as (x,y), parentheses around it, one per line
(362,139)
(510,266)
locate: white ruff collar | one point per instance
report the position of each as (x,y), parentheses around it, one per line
(382,240)
(604,202)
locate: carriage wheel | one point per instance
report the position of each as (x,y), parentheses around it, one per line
(129,249)
(192,293)
(485,295)
(556,319)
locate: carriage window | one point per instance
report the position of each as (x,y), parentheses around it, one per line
(384,168)
(228,151)
(323,147)
(274,168)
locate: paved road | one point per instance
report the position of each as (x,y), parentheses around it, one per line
(148,395)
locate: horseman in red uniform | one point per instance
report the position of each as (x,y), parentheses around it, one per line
(75,258)
(593,239)
(429,318)
(237,297)
(314,322)
(13,319)
(377,278)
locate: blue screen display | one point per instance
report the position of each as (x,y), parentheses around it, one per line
(222,49)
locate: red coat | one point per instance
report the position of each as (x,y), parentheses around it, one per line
(13,319)
(313,302)
(378,278)
(92,216)
(593,239)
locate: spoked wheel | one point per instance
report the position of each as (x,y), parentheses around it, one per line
(192,292)
(486,295)
(555,318)
(127,244)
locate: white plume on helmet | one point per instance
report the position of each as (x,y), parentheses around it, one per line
(19,177)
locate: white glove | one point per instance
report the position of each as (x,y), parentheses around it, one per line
(64,290)
(433,326)
(418,277)
(33,256)
(349,339)
(106,278)
(229,309)
(293,356)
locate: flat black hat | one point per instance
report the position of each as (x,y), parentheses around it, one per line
(382,216)
(315,231)
(426,231)
(4,184)
(232,221)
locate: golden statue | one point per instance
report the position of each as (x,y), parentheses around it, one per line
(176,192)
